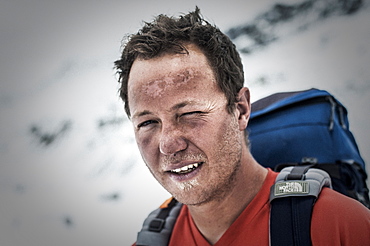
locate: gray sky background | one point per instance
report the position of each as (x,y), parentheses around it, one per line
(89,186)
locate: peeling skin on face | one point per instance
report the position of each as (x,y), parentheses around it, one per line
(175,71)
(187,186)
(157,88)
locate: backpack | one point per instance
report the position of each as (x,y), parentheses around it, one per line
(305,136)
(308,127)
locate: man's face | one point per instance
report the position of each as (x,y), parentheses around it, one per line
(187,138)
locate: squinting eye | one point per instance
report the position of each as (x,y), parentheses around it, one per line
(192,112)
(146,123)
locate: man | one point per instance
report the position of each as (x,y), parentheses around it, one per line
(182,85)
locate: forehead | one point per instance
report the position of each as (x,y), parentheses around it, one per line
(170,74)
(170,68)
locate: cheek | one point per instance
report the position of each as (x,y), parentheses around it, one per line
(146,147)
(228,138)
(206,138)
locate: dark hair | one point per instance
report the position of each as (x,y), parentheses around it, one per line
(170,35)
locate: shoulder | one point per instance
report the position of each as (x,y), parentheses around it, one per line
(331,202)
(339,220)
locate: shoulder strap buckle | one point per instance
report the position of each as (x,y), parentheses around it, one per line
(156,225)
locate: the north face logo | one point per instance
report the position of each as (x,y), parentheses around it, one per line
(291,187)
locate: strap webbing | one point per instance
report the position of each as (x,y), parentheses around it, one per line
(289,226)
(292,198)
(298,172)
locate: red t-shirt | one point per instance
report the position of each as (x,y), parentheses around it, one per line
(336,220)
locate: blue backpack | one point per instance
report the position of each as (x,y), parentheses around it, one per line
(308,127)
(305,136)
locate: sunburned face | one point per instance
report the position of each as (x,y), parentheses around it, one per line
(187,138)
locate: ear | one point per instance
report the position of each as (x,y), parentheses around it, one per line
(243,108)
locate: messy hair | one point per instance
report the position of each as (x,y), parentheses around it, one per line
(170,35)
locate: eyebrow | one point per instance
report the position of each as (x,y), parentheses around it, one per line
(143,113)
(173,108)
(181,105)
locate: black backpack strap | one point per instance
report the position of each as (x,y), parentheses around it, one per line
(292,198)
(158,226)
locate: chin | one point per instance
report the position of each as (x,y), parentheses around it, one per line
(189,201)
(187,193)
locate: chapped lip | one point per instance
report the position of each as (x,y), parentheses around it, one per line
(182,164)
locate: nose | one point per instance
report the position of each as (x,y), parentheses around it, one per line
(172,141)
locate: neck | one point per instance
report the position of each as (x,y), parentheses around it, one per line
(215,217)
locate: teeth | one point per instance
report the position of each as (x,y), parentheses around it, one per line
(186,169)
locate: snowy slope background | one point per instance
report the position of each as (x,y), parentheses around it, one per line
(70,172)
